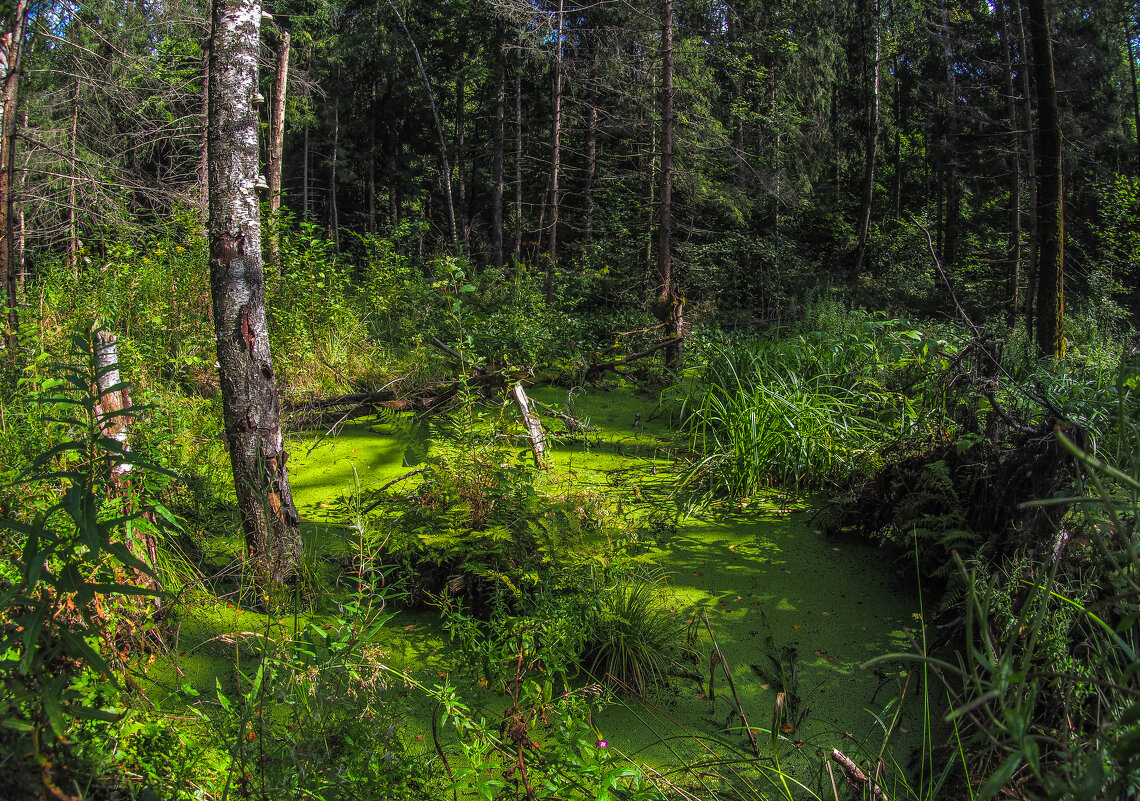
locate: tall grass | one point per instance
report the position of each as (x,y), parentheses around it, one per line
(792,413)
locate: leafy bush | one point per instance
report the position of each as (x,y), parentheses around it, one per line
(64,617)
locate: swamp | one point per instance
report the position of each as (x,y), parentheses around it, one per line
(654,400)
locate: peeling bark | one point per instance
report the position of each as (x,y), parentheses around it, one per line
(237,281)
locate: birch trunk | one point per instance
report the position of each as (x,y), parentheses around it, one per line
(250,406)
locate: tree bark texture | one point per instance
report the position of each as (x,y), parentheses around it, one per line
(11,48)
(72,210)
(203,158)
(668,307)
(276,148)
(1030,166)
(591,141)
(1014,246)
(1050,191)
(871,143)
(237,281)
(497,147)
(333,211)
(517,247)
(555,160)
(951,219)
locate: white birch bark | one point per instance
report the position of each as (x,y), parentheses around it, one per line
(237,280)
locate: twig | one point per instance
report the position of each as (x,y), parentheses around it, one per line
(439,750)
(379,501)
(945,278)
(437,342)
(854,774)
(731,686)
(639,331)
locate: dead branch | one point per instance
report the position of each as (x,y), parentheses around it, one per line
(437,342)
(855,775)
(595,370)
(573,424)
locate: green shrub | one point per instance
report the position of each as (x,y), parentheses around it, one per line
(635,639)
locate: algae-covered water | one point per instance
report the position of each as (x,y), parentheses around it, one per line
(766,581)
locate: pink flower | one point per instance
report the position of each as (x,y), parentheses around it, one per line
(602,743)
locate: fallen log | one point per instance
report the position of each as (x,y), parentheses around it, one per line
(332,411)
(314,412)
(594,370)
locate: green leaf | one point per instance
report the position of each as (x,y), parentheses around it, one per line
(225,702)
(52,705)
(1000,778)
(79,647)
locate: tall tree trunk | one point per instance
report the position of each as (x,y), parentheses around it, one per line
(438,128)
(1132,71)
(555,160)
(871,145)
(901,116)
(460,138)
(237,283)
(1013,248)
(1031,169)
(591,142)
(11,48)
(497,145)
(372,162)
(669,307)
(203,169)
(951,222)
(276,150)
(517,249)
(1050,192)
(72,211)
(333,211)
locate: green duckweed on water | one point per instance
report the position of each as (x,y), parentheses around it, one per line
(764,579)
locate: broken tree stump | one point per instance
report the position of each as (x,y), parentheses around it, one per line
(532,424)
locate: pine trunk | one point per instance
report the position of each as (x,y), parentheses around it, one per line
(555,161)
(497,147)
(11,48)
(871,145)
(517,249)
(591,144)
(276,149)
(669,308)
(1050,191)
(1013,248)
